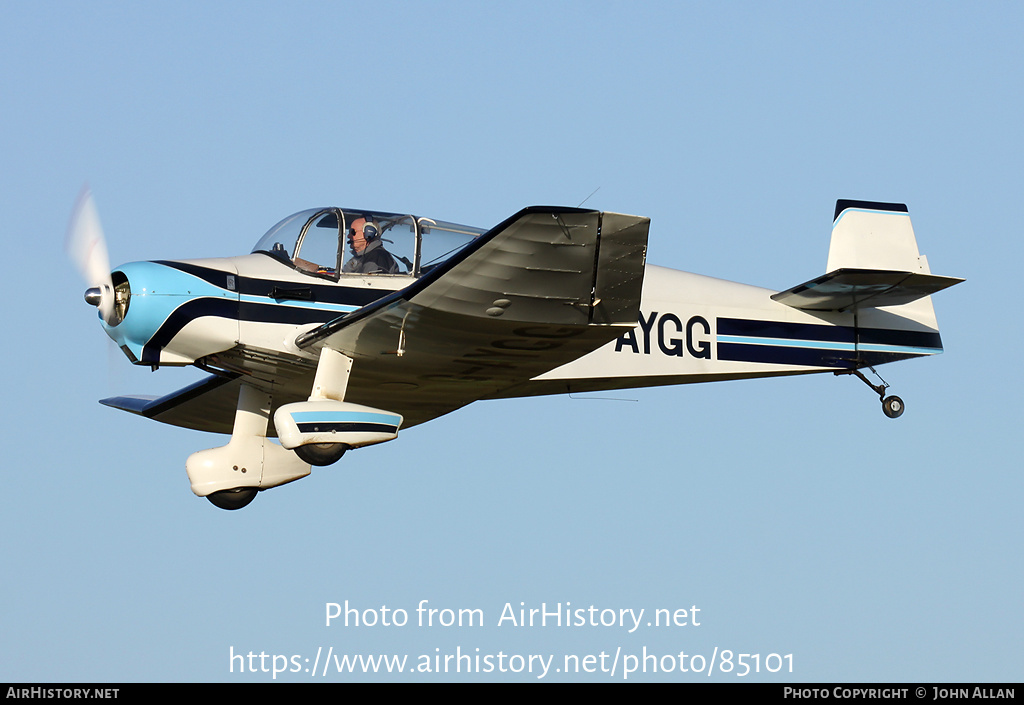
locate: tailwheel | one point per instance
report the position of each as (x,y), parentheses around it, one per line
(893,407)
(321,453)
(233,499)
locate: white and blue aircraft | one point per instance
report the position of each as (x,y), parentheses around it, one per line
(344,325)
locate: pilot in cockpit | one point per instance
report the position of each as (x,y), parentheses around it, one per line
(368,253)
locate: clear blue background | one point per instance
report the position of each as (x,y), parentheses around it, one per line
(790,511)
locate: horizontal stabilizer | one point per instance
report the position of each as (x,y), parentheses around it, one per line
(207,405)
(846,289)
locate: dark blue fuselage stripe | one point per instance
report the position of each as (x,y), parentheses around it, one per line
(253,312)
(217,277)
(808,357)
(232,310)
(248,286)
(351,427)
(282,313)
(826,333)
(181,317)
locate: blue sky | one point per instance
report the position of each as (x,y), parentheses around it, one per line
(791,512)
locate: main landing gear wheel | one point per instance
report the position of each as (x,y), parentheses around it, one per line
(893,407)
(233,499)
(321,453)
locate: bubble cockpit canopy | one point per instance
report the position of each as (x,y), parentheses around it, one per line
(330,242)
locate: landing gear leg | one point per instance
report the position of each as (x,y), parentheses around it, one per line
(230,476)
(331,382)
(892,406)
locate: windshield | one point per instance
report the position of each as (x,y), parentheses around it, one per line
(333,242)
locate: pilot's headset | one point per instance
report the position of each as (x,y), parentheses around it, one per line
(370,231)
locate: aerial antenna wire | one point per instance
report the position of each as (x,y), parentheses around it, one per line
(588,197)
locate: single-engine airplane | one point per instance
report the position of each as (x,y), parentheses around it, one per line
(344,325)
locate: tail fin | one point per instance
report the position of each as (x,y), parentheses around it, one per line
(868,235)
(873,261)
(876,273)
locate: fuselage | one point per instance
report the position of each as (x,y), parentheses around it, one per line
(245,313)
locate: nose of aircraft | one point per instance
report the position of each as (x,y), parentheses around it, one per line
(145,295)
(164,313)
(144,305)
(126,329)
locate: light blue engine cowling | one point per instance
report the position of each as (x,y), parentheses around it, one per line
(157,301)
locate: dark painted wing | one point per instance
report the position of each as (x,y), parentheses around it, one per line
(542,289)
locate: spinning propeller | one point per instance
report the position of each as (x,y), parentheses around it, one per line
(88,250)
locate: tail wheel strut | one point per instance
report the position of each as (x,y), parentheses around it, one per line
(892,406)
